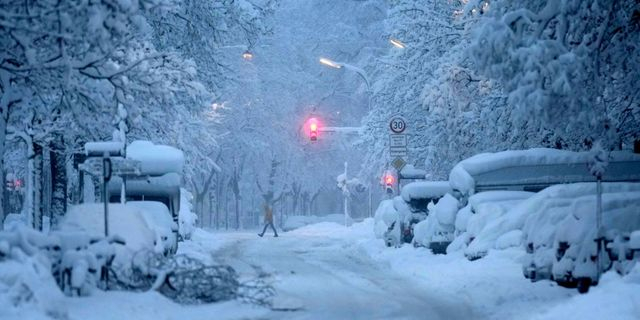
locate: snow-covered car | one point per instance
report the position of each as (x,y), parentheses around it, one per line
(437,231)
(547,222)
(143,225)
(158,218)
(392,216)
(396,219)
(575,243)
(475,221)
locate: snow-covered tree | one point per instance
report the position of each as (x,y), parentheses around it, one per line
(567,66)
(70,61)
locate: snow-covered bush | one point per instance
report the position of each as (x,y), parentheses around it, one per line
(26,279)
(187,218)
(76,261)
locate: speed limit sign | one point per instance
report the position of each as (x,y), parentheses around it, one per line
(397,124)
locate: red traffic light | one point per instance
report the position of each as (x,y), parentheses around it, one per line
(312,126)
(388,180)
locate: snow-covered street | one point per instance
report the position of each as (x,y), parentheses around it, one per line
(320,275)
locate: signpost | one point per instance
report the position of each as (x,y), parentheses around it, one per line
(398,142)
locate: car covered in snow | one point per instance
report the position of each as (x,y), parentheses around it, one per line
(575,245)
(475,223)
(396,218)
(126,222)
(158,218)
(559,229)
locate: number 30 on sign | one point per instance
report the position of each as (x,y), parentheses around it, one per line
(397,124)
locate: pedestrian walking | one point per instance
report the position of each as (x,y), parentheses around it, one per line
(268,221)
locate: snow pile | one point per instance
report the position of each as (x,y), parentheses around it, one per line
(14,220)
(483,208)
(155,159)
(27,286)
(385,215)
(615,297)
(187,219)
(439,224)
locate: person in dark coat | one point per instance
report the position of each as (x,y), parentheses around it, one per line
(268,221)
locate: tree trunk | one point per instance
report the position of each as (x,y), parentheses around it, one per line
(226,212)
(210,210)
(198,205)
(7,99)
(46,183)
(58,183)
(237,207)
(37,188)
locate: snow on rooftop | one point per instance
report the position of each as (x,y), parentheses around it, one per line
(156,159)
(425,189)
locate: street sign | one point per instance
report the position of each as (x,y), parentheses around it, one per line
(119,167)
(398,140)
(398,152)
(398,163)
(397,124)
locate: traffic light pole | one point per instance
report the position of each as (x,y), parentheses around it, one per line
(341,129)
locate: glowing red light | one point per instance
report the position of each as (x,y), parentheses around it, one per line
(388,180)
(312,126)
(17,183)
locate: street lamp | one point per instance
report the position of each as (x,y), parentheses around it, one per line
(338,65)
(397,43)
(330,63)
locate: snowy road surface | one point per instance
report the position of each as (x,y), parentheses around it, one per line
(320,277)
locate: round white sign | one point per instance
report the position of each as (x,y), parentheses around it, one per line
(397,125)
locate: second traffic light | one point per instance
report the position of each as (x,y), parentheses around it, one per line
(389,181)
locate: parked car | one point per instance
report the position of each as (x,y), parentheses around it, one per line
(404,212)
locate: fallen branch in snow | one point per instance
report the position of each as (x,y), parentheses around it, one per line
(189,281)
